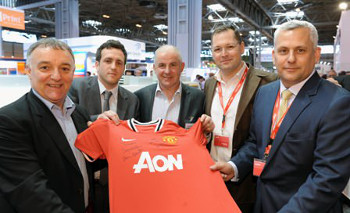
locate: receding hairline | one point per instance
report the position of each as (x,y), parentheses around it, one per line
(51,43)
(167,48)
(298,24)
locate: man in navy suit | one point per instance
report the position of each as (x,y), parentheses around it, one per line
(301,155)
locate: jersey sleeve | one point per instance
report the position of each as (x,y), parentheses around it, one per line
(88,142)
(198,132)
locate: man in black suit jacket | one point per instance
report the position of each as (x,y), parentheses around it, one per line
(170,99)
(40,169)
(88,92)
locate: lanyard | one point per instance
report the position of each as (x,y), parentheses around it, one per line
(275,124)
(233,95)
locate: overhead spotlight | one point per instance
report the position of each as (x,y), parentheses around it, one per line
(343,5)
(210,17)
(165,33)
(105,16)
(297,10)
(138,25)
(43,36)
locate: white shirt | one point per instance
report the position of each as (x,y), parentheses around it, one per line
(165,109)
(113,100)
(221,153)
(67,125)
(293,89)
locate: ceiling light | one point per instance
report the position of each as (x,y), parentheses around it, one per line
(164,33)
(210,17)
(287,1)
(138,25)
(43,36)
(216,7)
(297,10)
(254,32)
(294,14)
(235,20)
(92,23)
(161,26)
(105,16)
(343,6)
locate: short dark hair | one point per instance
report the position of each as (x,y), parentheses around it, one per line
(111,44)
(226,27)
(48,42)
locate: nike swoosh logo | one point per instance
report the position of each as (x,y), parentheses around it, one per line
(126,140)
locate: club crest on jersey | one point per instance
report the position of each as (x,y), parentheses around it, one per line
(158,163)
(170,140)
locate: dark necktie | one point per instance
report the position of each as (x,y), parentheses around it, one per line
(104,172)
(107,95)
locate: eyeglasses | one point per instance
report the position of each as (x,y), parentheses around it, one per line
(227,48)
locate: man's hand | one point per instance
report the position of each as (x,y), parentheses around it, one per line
(225,169)
(207,124)
(110,115)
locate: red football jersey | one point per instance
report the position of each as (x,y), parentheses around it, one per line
(157,167)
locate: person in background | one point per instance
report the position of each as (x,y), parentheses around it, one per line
(138,72)
(40,168)
(344,81)
(331,74)
(298,145)
(169,98)
(102,93)
(229,100)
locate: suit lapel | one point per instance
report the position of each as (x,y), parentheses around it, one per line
(209,94)
(267,110)
(52,128)
(122,103)
(251,84)
(184,105)
(301,101)
(94,93)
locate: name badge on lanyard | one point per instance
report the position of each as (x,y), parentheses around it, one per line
(221,140)
(258,166)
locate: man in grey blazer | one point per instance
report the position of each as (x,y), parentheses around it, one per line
(110,63)
(91,93)
(232,127)
(170,99)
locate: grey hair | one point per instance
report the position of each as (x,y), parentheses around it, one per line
(166,48)
(294,24)
(48,42)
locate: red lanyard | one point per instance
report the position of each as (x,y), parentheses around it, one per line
(233,95)
(276,124)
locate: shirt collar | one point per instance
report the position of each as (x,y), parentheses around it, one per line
(103,88)
(296,87)
(238,75)
(68,105)
(178,91)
